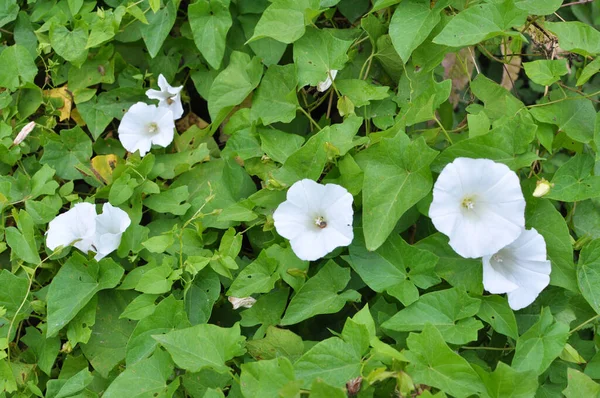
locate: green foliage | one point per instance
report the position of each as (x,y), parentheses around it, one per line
(395,313)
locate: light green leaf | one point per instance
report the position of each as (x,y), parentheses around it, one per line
(210,21)
(318,52)
(541,344)
(201,295)
(332,359)
(203,346)
(96,119)
(396,177)
(276,99)
(450,311)
(285,20)
(257,277)
(76,282)
(360,92)
(573,182)
(546,72)
(267,48)
(420,95)
(13,298)
(320,389)
(277,343)
(580,385)
(67,150)
(169,201)
(576,37)
(507,382)
(68,387)
(18,67)
(233,85)
(8,11)
(319,295)
(266,378)
(22,240)
(159,25)
(588,274)
(433,363)
(589,71)
(539,7)
(496,311)
(266,312)
(411,23)
(70,44)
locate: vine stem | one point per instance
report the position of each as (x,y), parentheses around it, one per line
(565,99)
(581,326)
(309,118)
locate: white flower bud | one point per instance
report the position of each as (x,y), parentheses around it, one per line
(542,188)
(237,302)
(24,133)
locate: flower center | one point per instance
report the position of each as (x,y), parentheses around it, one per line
(468,203)
(497,258)
(320,222)
(152,128)
(170,101)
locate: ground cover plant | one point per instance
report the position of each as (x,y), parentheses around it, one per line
(292,198)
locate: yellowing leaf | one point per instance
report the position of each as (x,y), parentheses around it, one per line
(64,94)
(103,166)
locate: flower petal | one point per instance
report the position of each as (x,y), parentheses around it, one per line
(290,220)
(311,245)
(306,194)
(166,127)
(75,227)
(110,226)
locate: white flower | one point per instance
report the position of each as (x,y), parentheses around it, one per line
(479,205)
(520,269)
(315,218)
(24,133)
(76,227)
(237,302)
(325,84)
(110,226)
(542,187)
(168,97)
(83,228)
(144,125)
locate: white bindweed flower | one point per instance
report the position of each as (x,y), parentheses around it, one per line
(76,227)
(542,188)
(479,205)
(315,218)
(238,302)
(168,97)
(520,269)
(110,226)
(144,125)
(325,84)
(24,133)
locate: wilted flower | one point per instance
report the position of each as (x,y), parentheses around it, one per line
(315,218)
(76,227)
(144,125)
(542,188)
(168,97)
(237,302)
(110,226)
(325,84)
(479,205)
(83,228)
(520,269)
(24,133)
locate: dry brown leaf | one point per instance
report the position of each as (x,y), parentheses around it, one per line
(458,67)
(64,94)
(189,120)
(510,72)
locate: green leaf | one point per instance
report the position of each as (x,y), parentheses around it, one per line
(145,379)
(168,166)
(44,349)
(276,99)
(433,363)
(233,85)
(266,312)
(168,315)
(107,344)
(285,20)
(576,37)
(66,151)
(67,387)
(155,280)
(539,7)
(543,216)
(575,116)
(203,346)
(360,92)
(319,295)
(169,201)
(480,22)
(588,274)
(320,389)
(13,298)
(96,119)
(411,24)
(332,359)
(386,269)
(105,28)
(22,240)
(573,182)
(210,21)
(507,382)
(267,48)
(159,25)
(396,177)
(201,295)
(277,343)
(496,311)
(257,277)
(318,52)
(540,344)
(266,378)
(76,282)
(450,311)
(580,385)
(18,67)
(589,71)
(70,44)
(141,307)
(546,72)
(8,11)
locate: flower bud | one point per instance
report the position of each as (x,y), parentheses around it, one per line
(237,302)
(542,188)
(24,133)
